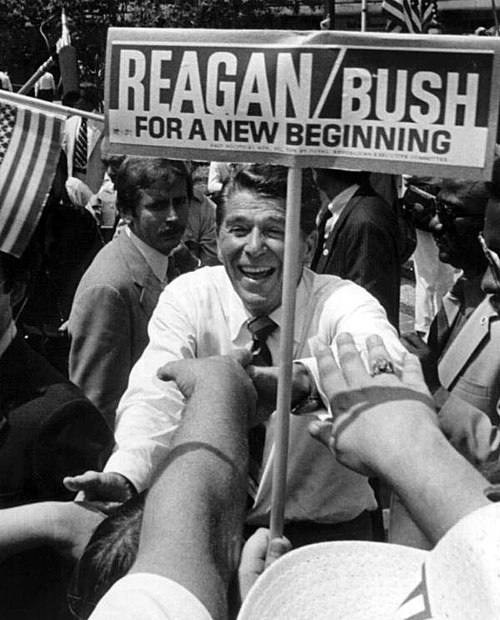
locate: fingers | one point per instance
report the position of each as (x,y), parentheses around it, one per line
(412,374)
(167,372)
(378,356)
(277,548)
(242,356)
(85,482)
(322,431)
(350,361)
(331,377)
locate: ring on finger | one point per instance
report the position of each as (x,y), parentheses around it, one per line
(382,366)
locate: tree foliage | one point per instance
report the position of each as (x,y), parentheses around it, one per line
(23,46)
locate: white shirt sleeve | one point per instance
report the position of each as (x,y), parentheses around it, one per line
(360,314)
(218,172)
(146,596)
(150,409)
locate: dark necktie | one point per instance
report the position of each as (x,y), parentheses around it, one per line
(81,149)
(327,214)
(261,327)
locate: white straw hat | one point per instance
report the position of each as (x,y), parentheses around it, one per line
(458,580)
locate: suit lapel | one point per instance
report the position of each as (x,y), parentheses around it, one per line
(141,273)
(333,236)
(462,348)
(442,324)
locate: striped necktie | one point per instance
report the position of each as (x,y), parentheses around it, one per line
(81,149)
(261,328)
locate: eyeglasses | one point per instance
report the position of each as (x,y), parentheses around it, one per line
(492,258)
(447,213)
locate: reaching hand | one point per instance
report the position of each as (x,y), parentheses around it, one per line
(192,373)
(265,380)
(93,486)
(258,554)
(369,412)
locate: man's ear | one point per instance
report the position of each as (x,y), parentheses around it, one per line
(311,242)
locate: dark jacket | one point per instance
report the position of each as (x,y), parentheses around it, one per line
(363,247)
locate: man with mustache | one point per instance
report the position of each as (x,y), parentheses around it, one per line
(118,293)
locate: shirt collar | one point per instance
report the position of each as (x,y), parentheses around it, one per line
(341,200)
(238,315)
(156,260)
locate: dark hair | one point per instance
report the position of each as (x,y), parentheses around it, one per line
(108,556)
(139,173)
(271,181)
(349,177)
(89,97)
(25,268)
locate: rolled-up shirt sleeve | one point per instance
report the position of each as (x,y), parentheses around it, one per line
(150,409)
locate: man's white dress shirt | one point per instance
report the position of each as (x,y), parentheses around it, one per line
(198,315)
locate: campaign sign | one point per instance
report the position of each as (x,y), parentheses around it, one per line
(392,103)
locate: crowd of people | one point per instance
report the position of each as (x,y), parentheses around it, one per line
(139,357)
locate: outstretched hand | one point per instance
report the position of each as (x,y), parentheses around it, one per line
(258,554)
(105,488)
(368,411)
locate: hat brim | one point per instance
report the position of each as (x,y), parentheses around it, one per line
(349,580)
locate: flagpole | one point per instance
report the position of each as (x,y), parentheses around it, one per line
(495,17)
(290,275)
(46,106)
(25,88)
(364,10)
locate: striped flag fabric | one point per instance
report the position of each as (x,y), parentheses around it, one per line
(412,16)
(64,40)
(30,144)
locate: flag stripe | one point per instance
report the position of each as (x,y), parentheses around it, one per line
(42,182)
(10,164)
(409,15)
(25,196)
(26,174)
(12,200)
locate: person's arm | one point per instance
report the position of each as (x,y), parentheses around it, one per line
(386,427)
(218,172)
(67,526)
(467,427)
(191,530)
(353,310)
(150,409)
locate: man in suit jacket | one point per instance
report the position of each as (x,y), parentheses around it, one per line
(92,172)
(462,360)
(47,426)
(118,293)
(358,237)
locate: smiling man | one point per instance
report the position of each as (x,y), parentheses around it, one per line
(212,312)
(118,293)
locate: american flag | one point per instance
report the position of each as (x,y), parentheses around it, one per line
(30,144)
(409,15)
